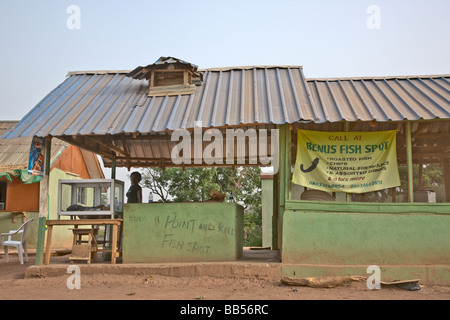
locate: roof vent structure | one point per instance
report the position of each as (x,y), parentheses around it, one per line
(169,76)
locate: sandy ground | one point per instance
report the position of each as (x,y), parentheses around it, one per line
(13,286)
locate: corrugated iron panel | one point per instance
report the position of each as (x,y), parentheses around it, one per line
(104,103)
(382,99)
(112,103)
(14,153)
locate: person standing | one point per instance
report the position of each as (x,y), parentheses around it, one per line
(134,193)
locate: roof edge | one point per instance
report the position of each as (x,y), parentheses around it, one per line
(74,73)
(252,67)
(433,76)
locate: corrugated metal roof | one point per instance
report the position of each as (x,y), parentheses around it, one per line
(382,99)
(111,103)
(14,153)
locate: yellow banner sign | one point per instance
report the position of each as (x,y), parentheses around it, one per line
(353,162)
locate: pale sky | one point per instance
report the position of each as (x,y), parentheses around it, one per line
(328,38)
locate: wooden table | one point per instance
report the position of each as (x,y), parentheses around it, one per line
(115,223)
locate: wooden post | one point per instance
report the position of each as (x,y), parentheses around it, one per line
(276,199)
(283,177)
(420,176)
(48,247)
(409,162)
(288,138)
(108,230)
(282,181)
(446,171)
(114,244)
(348,196)
(43,203)
(113,169)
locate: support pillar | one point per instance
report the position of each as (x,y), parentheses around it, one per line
(282,178)
(113,169)
(409,162)
(43,203)
(276,211)
(446,170)
(348,196)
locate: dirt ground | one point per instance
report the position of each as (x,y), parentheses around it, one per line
(13,286)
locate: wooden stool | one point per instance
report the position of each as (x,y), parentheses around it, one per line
(107,242)
(84,250)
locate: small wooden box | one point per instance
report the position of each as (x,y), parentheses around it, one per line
(81,252)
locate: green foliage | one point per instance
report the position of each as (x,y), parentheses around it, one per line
(252,229)
(432,179)
(432,176)
(195,184)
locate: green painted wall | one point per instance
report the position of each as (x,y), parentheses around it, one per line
(182,232)
(352,238)
(411,242)
(267,211)
(407,240)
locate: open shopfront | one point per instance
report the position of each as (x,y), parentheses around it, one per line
(129,119)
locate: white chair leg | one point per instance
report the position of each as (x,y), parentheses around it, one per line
(6,254)
(19,251)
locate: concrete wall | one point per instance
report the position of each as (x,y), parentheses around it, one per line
(182,232)
(410,242)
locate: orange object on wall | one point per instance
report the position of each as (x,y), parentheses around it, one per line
(71,160)
(25,197)
(21,196)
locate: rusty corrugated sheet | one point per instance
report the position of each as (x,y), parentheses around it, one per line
(14,153)
(111,103)
(382,99)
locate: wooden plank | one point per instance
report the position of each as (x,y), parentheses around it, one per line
(81,252)
(399,281)
(446,171)
(84,222)
(114,244)
(43,202)
(321,282)
(102,142)
(49,244)
(409,162)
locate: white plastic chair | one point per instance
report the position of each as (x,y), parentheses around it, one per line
(21,245)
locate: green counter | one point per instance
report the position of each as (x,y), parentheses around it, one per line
(182,232)
(407,241)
